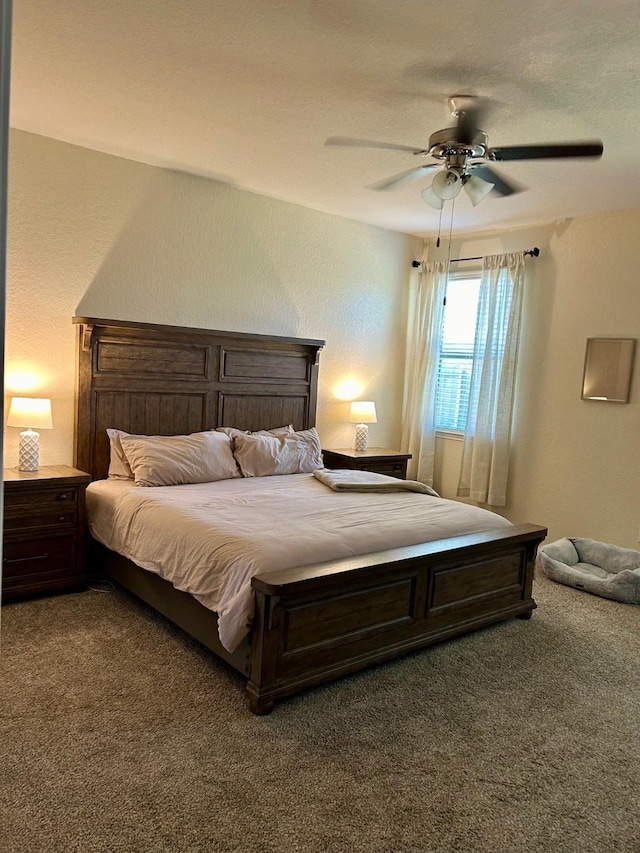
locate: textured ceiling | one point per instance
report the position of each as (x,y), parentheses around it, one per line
(247,92)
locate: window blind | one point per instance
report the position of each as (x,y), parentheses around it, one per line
(456,353)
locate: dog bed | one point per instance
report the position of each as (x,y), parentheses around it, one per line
(605,570)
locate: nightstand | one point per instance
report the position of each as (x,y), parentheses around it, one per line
(377,459)
(43,530)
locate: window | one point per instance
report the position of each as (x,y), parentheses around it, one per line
(456,354)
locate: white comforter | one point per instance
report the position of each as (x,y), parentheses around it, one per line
(210,539)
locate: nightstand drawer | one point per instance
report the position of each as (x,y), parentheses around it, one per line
(393,463)
(45,515)
(391,469)
(62,497)
(38,560)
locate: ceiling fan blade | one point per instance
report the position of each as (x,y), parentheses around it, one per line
(369,143)
(396,180)
(499,184)
(540,152)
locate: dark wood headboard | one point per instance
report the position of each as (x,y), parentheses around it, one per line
(150,379)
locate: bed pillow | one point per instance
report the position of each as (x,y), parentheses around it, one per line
(119,468)
(265,454)
(232,432)
(174,460)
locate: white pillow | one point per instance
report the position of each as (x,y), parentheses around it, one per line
(173,460)
(265,454)
(119,468)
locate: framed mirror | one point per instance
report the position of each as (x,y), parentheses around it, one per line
(608,365)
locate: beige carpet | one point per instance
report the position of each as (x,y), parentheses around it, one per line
(119,734)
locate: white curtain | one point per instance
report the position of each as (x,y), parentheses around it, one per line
(487,435)
(426,306)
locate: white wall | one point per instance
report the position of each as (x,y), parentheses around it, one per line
(575,466)
(99,236)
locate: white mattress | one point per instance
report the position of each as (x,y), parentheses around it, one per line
(210,539)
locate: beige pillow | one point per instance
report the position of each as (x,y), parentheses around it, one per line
(119,468)
(173,460)
(265,454)
(232,432)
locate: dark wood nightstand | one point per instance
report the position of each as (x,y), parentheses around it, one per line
(43,530)
(377,459)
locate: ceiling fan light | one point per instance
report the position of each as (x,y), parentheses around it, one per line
(477,189)
(447,184)
(431,198)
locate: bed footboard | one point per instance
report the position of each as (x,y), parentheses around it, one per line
(317,623)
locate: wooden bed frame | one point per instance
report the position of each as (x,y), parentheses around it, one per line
(314,623)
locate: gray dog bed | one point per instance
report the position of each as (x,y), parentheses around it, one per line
(596,567)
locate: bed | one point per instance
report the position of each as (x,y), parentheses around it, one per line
(310,623)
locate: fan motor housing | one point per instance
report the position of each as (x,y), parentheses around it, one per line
(443,145)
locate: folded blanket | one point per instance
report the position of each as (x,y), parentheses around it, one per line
(368,481)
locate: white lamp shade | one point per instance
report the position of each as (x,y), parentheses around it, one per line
(432,199)
(477,188)
(447,184)
(32,412)
(363,412)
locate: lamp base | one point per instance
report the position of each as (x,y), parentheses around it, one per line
(29,450)
(362,437)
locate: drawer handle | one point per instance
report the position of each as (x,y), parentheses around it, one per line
(26,559)
(62,497)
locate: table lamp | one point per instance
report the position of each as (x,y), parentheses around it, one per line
(29,412)
(362,413)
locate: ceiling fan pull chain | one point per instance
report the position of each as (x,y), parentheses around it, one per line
(439,228)
(453,204)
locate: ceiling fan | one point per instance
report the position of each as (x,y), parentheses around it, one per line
(463,156)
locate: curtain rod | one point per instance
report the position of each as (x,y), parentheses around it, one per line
(533,252)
